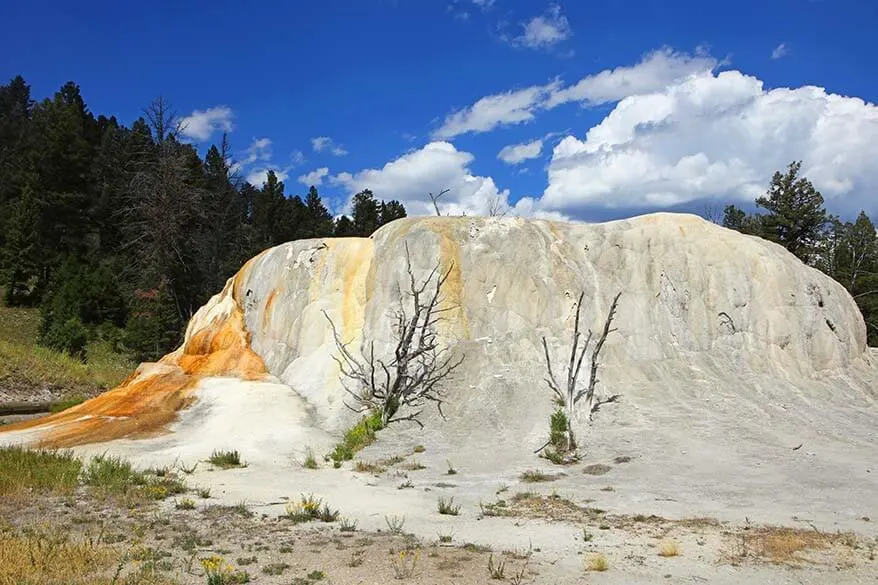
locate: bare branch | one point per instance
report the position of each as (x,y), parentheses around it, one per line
(435,200)
(400,387)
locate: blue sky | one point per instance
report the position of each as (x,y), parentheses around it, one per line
(562,109)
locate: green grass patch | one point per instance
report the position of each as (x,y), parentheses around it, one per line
(24,365)
(23,470)
(226,459)
(66,403)
(358,436)
(114,476)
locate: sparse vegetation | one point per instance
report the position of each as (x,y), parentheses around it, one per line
(596,469)
(358,436)
(446,507)
(668,548)
(310,508)
(310,461)
(535,476)
(369,467)
(597,562)
(185,504)
(226,459)
(405,562)
(413,466)
(275,569)
(419,449)
(25,471)
(451,469)
(496,570)
(347,525)
(395,523)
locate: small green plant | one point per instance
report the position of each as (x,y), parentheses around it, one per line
(189,470)
(244,561)
(451,469)
(405,485)
(405,563)
(275,569)
(358,436)
(347,525)
(496,571)
(225,459)
(327,514)
(185,504)
(316,575)
(419,449)
(204,493)
(447,507)
(558,431)
(446,538)
(217,571)
(395,523)
(310,461)
(413,466)
(586,535)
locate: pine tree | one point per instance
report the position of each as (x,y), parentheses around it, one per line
(366,215)
(796,216)
(390,211)
(317,222)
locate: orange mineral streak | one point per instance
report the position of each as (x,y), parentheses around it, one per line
(145,403)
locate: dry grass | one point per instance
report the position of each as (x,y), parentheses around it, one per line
(27,471)
(535,476)
(597,562)
(783,545)
(668,548)
(46,556)
(596,469)
(369,467)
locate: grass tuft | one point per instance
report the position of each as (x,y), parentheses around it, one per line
(597,562)
(225,459)
(355,438)
(668,548)
(535,476)
(446,507)
(23,470)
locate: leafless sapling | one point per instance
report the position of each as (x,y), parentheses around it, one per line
(401,385)
(569,396)
(435,200)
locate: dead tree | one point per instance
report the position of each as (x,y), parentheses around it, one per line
(569,396)
(435,200)
(400,386)
(497,207)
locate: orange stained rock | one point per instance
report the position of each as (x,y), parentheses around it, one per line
(149,399)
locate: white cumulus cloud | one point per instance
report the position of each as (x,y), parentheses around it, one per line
(322,143)
(202,124)
(544,31)
(514,154)
(717,136)
(654,72)
(511,107)
(315,177)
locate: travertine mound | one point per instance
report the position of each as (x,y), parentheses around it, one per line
(704,310)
